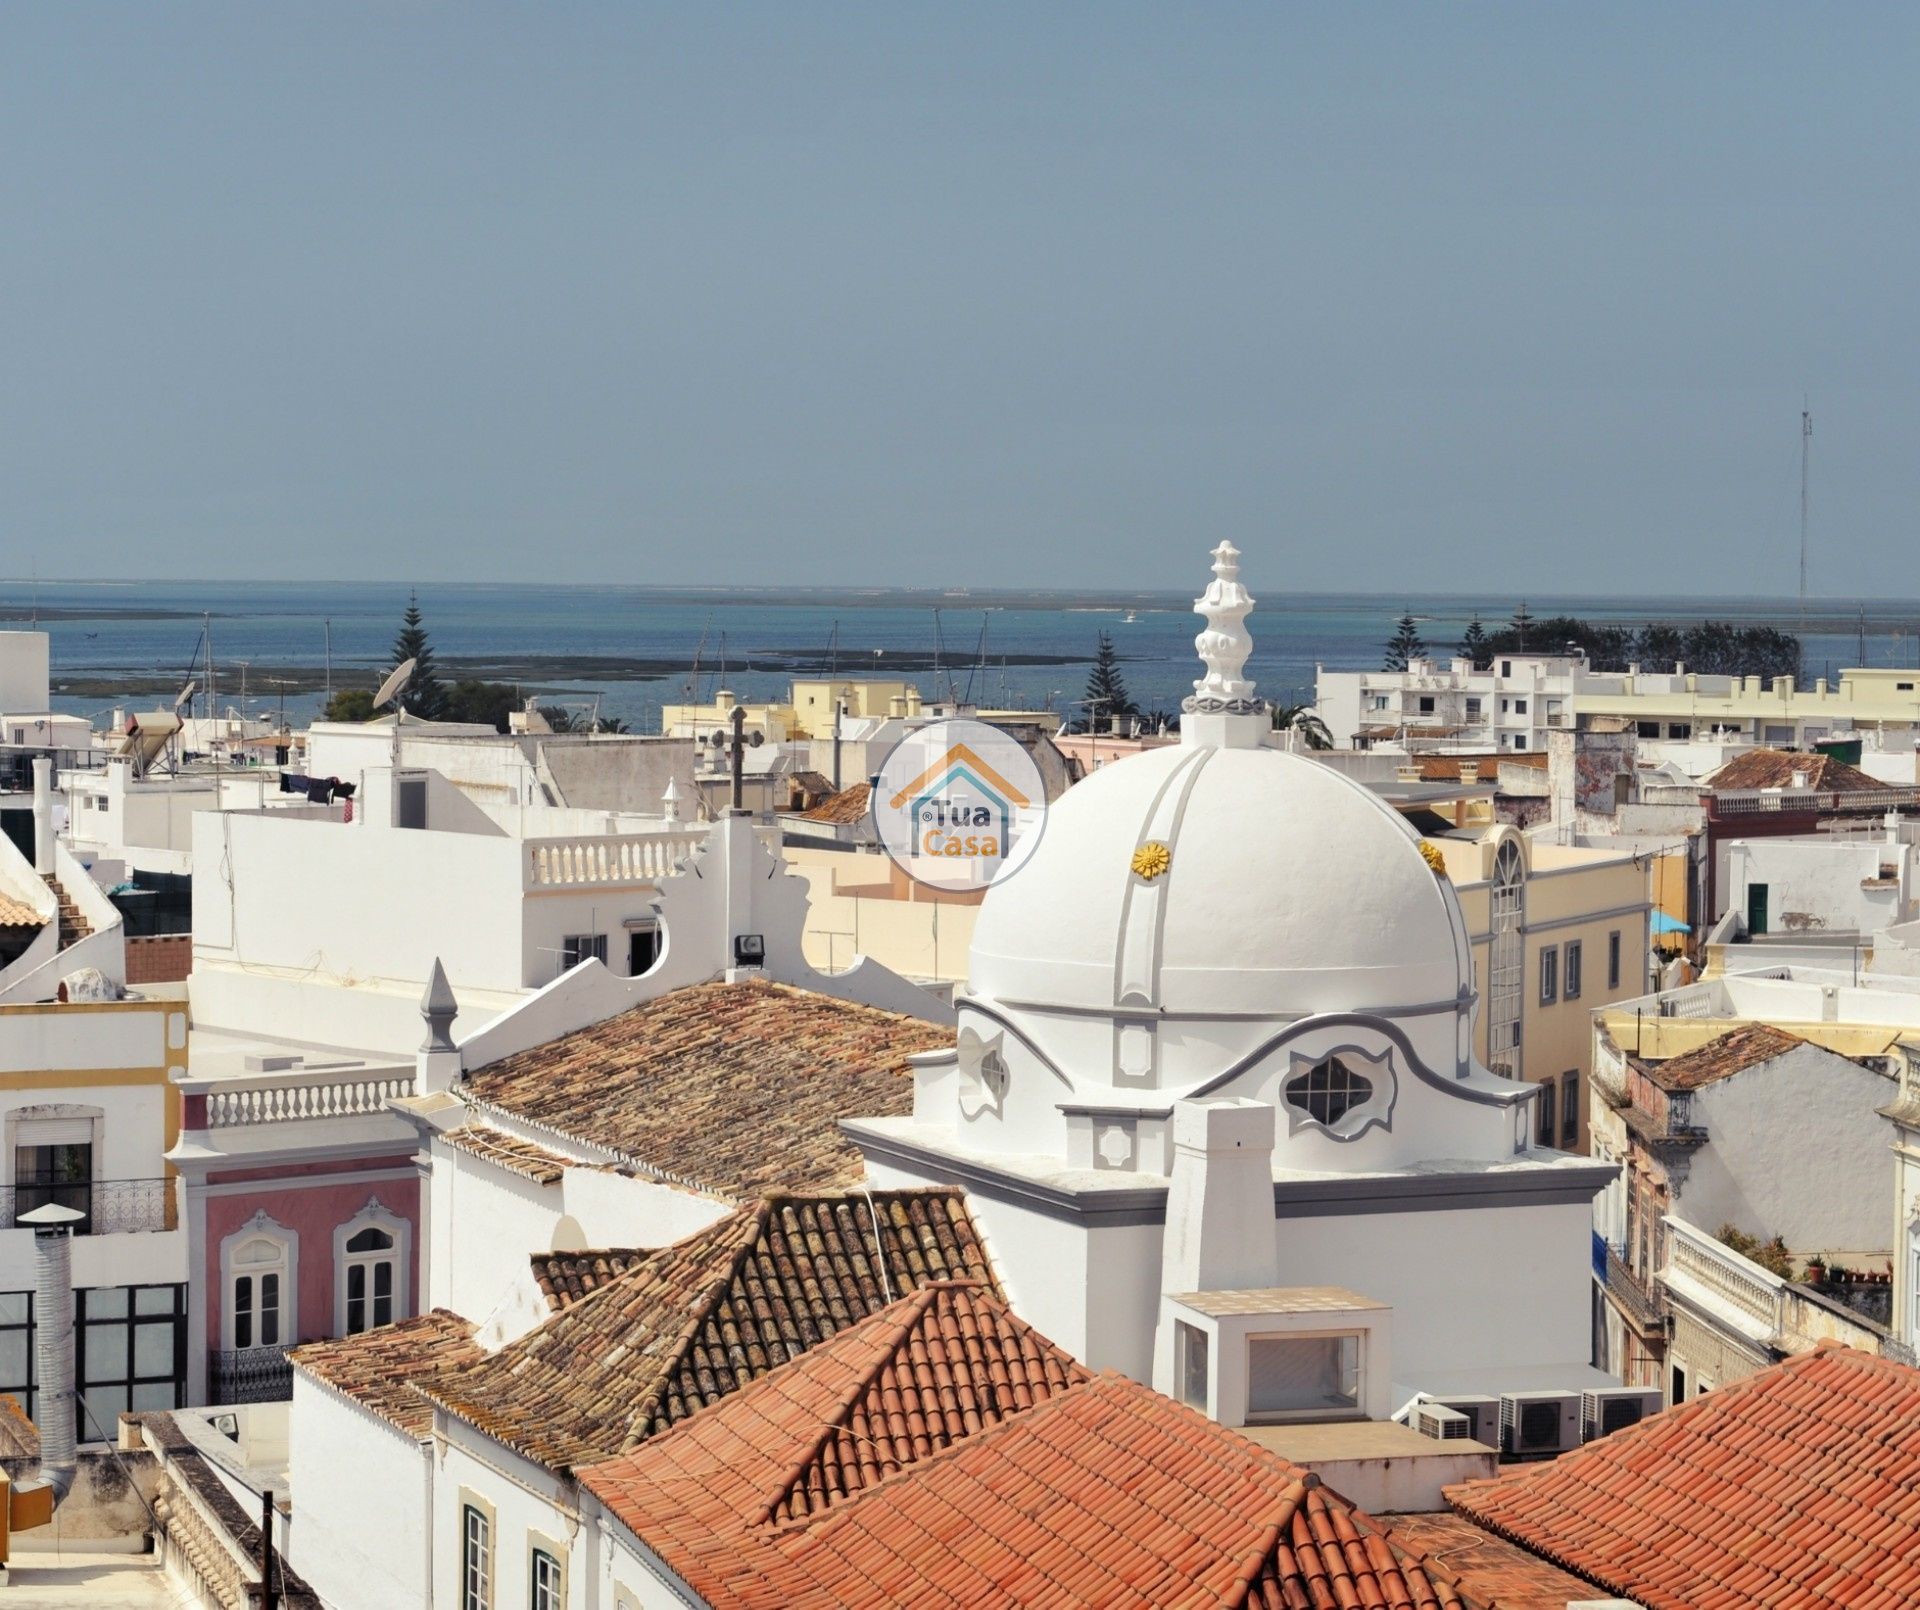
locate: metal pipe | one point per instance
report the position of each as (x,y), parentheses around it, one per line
(53,1332)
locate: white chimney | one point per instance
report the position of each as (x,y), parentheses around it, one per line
(1220,1228)
(437,1065)
(43,814)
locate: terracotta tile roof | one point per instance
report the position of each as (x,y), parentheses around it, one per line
(1737,1049)
(735,1089)
(1446,768)
(18,914)
(378,1369)
(697,1320)
(565,1277)
(19,1436)
(1483,1566)
(1004,1474)
(846,807)
(1798,1486)
(1775,768)
(510,1152)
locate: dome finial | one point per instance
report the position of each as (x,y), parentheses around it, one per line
(1224,644)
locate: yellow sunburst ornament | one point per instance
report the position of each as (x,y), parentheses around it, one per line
(1430,853)
(1151,860)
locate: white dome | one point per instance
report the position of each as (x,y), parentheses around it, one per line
(1291,889)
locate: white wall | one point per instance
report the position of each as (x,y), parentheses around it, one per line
(1814,887)
(1796,1149)
(363,1503)
(24,663)
(529,1505)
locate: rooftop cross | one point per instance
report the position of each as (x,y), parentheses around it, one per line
(737,748)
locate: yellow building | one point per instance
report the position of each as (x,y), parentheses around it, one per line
(811,704)
(1682,704)
(1556,931)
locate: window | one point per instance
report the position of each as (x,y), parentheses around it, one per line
(132,1353)
(576,948)
(1303,1377)
(1190,1364)
(16,1348)
(1549,975)
(1678,1388)
(1506,667)
(1646,729)
(1379,701)
(1569,1110)
(1613,959)
(1473,706)
(1543,1115)
(60,1173)
(258,1282)
(1328,1091)
(643,948)
(370,1280)
(1679,729)
(410,802)
(476,1559)
(1506,962)
(545,1591)
(1570,972)
(1426,704)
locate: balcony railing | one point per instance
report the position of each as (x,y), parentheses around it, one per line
(252,1375)
(286,1098)
(1639,1304)
(1751,1290)
(1747,802)
(584,863)
(110,1207)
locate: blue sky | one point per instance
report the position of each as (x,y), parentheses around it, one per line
(1404,297)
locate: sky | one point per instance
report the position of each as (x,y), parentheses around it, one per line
(1398,297)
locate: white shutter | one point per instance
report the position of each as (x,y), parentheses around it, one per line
(53,1132)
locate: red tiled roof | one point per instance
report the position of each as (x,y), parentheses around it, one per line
(697,1320)
(1775,768)
(737,1089)
(1486,1568)
(845,808)
(1796,1487)
(1745,1047)
(1099,1492)
(510,1152)
(380,1368)
(565,1277)
(18,914)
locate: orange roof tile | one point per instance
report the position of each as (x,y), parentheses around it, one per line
(735,1089)
(1004,1474)
(510,1152)
(1738,1049)
(845,808)
(1775,768)
(379,1368)
(697,1320)
(1796,1487)
(565,1277)
(18,914)
(1485,1567)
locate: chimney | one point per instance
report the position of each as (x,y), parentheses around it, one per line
(437,1066)
(1220,1229)
(53,1332)
(43,815)
(1469,773)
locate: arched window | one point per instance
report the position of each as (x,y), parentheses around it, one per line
(372,1253)
(371,1277)
(1507,962)
(1329,1090)
(258,1293)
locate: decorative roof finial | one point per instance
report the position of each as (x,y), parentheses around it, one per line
(1224,644)
(670,801)
(439,1008)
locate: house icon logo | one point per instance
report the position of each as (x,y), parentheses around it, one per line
(959,804)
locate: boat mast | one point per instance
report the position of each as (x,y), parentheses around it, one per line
(1806,449)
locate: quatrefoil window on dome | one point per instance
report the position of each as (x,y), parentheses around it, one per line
(983,1072)
(1344,1093)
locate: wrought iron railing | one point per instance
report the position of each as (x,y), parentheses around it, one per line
(252,1375)
(109,1207)
(1639,1304)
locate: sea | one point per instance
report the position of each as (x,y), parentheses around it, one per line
(624,651)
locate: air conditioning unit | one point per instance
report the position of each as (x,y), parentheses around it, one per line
(1436,1420)
(1614,1408)
(1482,1412)
(1538,1424)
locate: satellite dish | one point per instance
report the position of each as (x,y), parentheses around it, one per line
(395,684)
(183,696)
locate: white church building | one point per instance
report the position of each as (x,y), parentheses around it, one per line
(1230,993)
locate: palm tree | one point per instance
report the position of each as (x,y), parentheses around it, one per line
(1303,719)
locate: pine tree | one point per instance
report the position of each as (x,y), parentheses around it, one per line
(1406,645)
(1519,625)
(423,696)
(1474,646)
(1107,695)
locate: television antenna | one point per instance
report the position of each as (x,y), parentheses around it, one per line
(1806,450)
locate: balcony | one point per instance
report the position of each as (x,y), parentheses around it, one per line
(252,1375)
(108,1207)
(608,861)
(289,1097)
(1752,1300)
(1641,1307)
